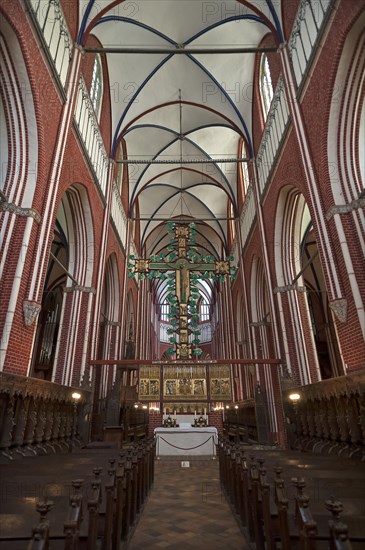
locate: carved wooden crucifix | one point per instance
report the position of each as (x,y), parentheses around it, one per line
(183,266)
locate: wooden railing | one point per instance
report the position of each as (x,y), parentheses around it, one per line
(269,517)
(39,417)
(112,506)
(328,417)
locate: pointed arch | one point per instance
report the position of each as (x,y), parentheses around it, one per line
(109,333)
(262,336)
(302,294)
(73,276)
(345,150)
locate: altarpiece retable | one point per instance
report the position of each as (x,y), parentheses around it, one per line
(185,388)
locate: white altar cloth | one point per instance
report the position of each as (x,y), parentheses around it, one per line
(186,441)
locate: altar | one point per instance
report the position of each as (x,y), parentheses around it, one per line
(186,441)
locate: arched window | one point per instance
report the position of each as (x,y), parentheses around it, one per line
(3,146)
(362,146)
(96,90)
(165,310)
(266,89)
(245,174)
(120,168)
(204,310)
(232,224)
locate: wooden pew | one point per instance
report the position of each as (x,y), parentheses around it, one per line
(93,506)
(129,481)
(40,532)
(74,517)
(282,505)
(338,530)
(109,505)
(256,505)
(307,526)
(263,507)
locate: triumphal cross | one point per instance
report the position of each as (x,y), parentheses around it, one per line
(183,261)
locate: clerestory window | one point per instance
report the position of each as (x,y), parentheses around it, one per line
(265,84)
(96,89)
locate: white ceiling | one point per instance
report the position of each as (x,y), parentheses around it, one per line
(207,98)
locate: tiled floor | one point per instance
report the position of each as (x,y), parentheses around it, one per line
(187,511)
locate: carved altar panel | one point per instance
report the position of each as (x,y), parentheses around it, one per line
(184,382)
(220,382)
(149,383)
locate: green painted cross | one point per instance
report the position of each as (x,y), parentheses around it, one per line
(183,262)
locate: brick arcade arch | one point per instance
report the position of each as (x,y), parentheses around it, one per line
(309,337)
(62,330)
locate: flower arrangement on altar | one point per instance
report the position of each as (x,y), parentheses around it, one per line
(200,422)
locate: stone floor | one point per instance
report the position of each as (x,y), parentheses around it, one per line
(186,510)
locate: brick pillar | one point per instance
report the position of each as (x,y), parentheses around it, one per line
(215,420)
(154,421)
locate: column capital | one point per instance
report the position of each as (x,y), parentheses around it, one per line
(339,307)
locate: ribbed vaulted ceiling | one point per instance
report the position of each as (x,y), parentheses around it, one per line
(178,107)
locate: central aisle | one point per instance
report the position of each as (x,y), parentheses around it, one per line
(186,510)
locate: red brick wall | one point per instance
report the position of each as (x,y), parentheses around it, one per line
(215,420)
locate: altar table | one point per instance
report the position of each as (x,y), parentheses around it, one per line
(184,441)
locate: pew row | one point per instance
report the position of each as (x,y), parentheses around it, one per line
(274,511)
(111,508)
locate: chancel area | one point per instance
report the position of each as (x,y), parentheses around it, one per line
(182,258)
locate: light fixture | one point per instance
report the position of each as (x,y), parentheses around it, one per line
(144,406)
(236,406)
(294,397)
(136,405)
(75,396)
